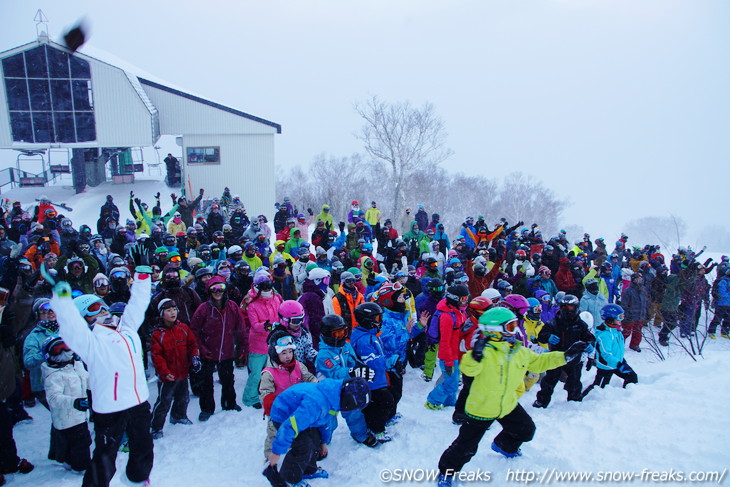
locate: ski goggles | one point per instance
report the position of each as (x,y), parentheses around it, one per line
(44,308)
(510,326)
(462,279)
(155,269)
(568,307)
(620,317)
(101,282)
(119,275)
(217,288)
(536,309)
(436,289)
(176,258)
(295,320)
(75,266)
(339,333)
(284,343)
(350,280)
(96,308)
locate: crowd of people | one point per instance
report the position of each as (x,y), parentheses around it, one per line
(323,321)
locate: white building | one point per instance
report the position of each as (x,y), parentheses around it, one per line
(53,98)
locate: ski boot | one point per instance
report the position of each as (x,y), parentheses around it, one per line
(433,407)
(320,473)
(383,437)
(497,449)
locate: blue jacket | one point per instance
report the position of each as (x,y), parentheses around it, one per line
(394,334)
(335,362)
(369,349)
(635,302)
(302,406)
(609,347)
(468,233)
(723,292)
(33,355)
(593,304)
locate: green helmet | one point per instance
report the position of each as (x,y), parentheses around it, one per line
(498,320)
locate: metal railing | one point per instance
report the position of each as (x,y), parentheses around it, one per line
(18,178)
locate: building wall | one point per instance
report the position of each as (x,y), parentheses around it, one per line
(247,168)
(180,115)
(6,138)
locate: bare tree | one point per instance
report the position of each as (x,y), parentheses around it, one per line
(525,198)
(403,139)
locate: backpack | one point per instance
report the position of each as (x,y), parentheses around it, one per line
(433,333)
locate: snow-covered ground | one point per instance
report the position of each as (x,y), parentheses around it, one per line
(675,418)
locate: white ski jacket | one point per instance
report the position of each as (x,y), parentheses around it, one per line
(113,356)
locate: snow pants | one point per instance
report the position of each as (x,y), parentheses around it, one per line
(633,329)
(109,429)
(170,394)
(722,315)
(8,452)
(459,412)
(356,423)
(687,320)
(301,459)
(517,428)
(624,371)
(572,384)
(256,363)
(444,394)
(655,311)
(670,323)
(76,442)
(225,374)
(380,409)
(430,360)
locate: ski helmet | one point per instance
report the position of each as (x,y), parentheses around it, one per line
(90,305)
(612,313)
(479,305)
(319,275)
(291,313)
(498,320)
(504,287)
(435,288)
(516,303)
(278,341)
(369,315)
(457,296)
(569,306)
(333,330)
(535,309)
(493,295)
(592,286)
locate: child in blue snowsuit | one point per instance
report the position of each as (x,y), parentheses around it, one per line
(610,346)
(337,360)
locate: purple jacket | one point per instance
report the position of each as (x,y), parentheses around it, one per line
(312,302)
(219,331)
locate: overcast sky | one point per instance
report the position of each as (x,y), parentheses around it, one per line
(623,106)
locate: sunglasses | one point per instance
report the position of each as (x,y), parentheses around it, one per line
(96,308)
(218,288)
(176,258)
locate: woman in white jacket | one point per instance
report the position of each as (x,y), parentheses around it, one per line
(66,381)
(111,348)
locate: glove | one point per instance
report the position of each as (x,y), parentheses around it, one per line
(202,191)
(589,349)
(448,369)
(174,198)
(197,364)
(362,371)
(400,367)
(81,404)
(574,351)
(342,226)
(554,340)
(590,363)
(131,194)
(309,210)
(141,256)
(157,196)
(268,326)
(520,223)
(477,353)
(534,225)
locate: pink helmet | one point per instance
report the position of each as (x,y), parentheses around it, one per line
(516,303)
(290,309)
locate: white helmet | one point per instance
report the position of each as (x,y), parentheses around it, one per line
(318,275)
(492,294)
(233,249)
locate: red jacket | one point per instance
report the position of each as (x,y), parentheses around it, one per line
(450,332)
(564,279)
(172,350)
(219,331)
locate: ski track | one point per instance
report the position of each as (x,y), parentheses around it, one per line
(675,418)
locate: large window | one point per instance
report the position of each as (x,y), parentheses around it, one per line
(204,155)
(49,97)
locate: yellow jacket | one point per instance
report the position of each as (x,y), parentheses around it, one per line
(499,377)
(372,216)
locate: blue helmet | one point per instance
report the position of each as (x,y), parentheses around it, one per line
(613,312)
(85,304)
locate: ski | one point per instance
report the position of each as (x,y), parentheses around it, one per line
(60,205)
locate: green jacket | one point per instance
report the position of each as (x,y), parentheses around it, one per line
(499,377)
(414,234)
(293,243)
(672,293)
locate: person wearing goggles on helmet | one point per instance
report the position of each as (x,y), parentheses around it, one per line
(497,363)
(292,320)
(560,334)
(450,316)
(610,346)
(347,298)
(219,328)
(423,346)
(117,380)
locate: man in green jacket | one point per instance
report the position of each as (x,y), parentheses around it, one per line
(498,363)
